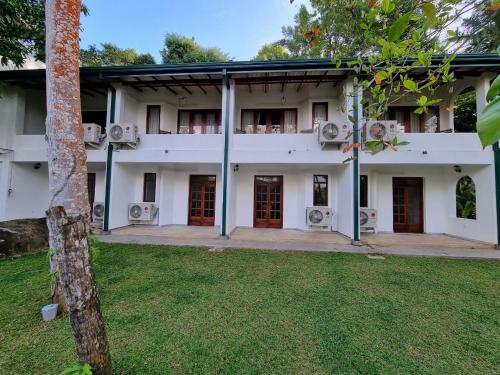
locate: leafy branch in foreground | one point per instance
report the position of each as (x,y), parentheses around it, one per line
(403,36)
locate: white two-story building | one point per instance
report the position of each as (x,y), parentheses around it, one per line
(239,144)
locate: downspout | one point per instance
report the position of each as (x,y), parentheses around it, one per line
(496,153)
(109,163)
(225,167)
(355,151)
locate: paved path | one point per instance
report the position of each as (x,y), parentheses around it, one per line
(422,245)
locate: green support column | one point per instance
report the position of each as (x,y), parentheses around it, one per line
(225,166)
(496,151)
(109,163)
(355,139)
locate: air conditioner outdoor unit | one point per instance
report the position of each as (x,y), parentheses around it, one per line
(123,134)
(368,219)
(141,211)
(319,216)
(333,132)
(92,134)
(98,211)
(387,129)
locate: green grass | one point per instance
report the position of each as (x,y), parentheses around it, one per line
(185,310)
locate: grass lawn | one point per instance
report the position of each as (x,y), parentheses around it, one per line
(185,310)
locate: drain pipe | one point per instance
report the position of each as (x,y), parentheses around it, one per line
(225,167)
(356,240)
(496,153)
(109,163)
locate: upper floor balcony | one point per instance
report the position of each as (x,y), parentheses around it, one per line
(273,118)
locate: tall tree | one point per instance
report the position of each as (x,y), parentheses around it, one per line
(272,51)
(22,30)
(394,31)
(68,216)
(337,27)
(481,30)
(111,54)
(181,49)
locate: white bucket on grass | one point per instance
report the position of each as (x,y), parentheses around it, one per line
(49,312)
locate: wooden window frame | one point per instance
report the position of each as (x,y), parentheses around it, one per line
(312,113)
(314,190)
(148,109)
(268,118)
(203,112)
(363,191)
(144,190)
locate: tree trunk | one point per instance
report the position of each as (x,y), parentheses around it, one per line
(68,216)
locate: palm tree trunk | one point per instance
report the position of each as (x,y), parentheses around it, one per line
(68,216)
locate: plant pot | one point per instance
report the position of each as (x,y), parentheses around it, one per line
(49,312)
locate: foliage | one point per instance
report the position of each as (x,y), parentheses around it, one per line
(466,198)
(481,31)
(144,58)
(187,310)
(272,51)
(110,54)
(78,369)
(397,36)
(95,247)
(338,27)
(22,30)
(181,49)
(488,125)
(465,112)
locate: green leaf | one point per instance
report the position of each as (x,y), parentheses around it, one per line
(488,126)
(430,11)
(494,89)
(402,143)
(422,100)
(410,85)
(386,6)
(399,27)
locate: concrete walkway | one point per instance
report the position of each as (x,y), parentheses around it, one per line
(286,239)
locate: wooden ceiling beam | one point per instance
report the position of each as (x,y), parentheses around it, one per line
(199,86)
(181,85)
(216,86)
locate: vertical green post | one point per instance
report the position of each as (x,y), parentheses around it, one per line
(355,139)
(496,151)
(109,163)
(225,167)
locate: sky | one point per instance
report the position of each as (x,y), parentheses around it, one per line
(238,27)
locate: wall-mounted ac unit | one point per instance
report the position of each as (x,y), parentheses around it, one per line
(333,132)
(386,129)
(319,216)
(368,219)
(98,211)
(92,134)
(123,134)
(141,211)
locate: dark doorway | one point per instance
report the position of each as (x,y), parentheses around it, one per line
(91,190)
(201,200)
(95,117)
(268,202)
(408,204)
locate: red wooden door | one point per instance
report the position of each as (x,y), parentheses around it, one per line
(408,212)
(268,202)
(202,200)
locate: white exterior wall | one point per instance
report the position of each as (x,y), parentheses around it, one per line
(484,227)
(29,191)
(296,157)
(439,195)
(172,191)
(297,194)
